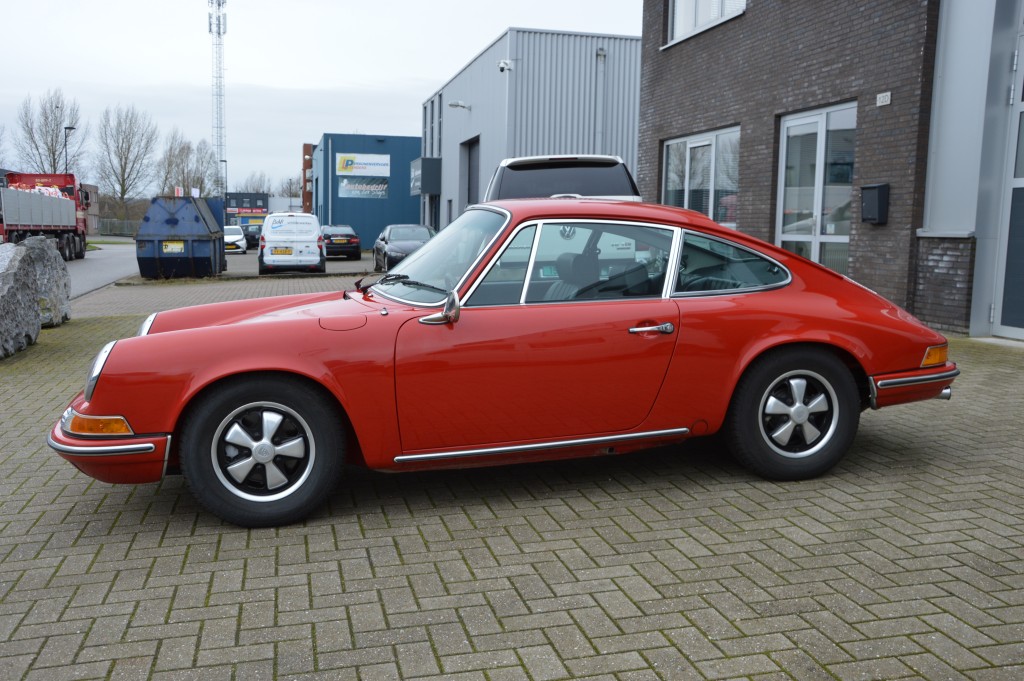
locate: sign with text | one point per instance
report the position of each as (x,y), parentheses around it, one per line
(363,165)
(363,188)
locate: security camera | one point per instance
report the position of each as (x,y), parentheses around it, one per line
(504,65)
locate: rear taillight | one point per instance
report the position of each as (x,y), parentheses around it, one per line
(353,240)
(320,242)
(263,242)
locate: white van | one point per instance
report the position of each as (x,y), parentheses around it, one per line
(292,241)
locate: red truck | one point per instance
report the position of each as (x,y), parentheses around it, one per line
(52,205)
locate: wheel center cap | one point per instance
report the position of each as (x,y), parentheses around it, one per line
(264,452)
(800,413)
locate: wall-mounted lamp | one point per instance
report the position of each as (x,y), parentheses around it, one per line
(307,157)
(459,104)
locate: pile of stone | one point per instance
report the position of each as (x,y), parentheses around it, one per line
(35,292)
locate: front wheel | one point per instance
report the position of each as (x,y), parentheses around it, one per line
(262,451)
(794,414)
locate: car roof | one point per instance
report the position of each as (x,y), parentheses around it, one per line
(568,159)
(609,209)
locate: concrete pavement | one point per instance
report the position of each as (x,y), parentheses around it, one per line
(906,562)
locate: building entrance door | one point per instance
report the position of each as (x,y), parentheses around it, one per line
(816,185)
(1009,306)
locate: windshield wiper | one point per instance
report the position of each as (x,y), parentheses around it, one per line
(404,279)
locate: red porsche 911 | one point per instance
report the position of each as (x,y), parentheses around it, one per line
(525,330)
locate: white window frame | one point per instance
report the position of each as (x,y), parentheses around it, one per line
(676,7)
(689,142)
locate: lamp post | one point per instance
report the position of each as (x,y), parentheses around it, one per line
(67,129)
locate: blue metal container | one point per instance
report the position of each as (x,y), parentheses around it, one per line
(179,237)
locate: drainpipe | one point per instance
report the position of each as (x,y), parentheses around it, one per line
(599,102)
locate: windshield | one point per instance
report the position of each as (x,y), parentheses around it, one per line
(445,260)
(339,230)
(410,233)
(547,179)
(233,231)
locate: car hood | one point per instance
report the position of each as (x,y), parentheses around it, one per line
(335,311)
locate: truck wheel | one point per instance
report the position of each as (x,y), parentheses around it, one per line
(794,414)
(79,247)
(264,451)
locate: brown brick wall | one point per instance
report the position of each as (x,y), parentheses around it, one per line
(787,56)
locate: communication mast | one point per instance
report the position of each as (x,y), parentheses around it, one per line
(218,27)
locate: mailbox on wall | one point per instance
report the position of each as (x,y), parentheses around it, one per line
(874,204)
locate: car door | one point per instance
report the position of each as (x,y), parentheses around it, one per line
(529,369)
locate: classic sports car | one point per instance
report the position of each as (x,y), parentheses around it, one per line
(524,330)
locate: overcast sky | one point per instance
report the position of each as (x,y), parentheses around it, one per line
(294,69)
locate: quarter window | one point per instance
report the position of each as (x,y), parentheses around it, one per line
(702,174)
(693,16)
(709,265)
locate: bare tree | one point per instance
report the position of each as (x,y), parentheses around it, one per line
(256,183)
(124,161)
(43,131)
(290,187)
(186,166)
(3,155)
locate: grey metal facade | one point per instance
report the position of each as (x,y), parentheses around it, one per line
(530,92)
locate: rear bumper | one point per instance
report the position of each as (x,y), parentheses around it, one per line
(123,461)
(912,386)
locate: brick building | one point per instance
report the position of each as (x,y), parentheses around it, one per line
(799,121)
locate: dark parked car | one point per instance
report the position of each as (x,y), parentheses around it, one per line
(252,234)
(396,242)
(342,240)
(588,175)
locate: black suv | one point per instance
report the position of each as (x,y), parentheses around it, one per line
(534,177)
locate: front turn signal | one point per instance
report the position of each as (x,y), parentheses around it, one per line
(74,423)
(936,355)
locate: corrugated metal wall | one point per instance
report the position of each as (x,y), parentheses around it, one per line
(559,97)
(575,93)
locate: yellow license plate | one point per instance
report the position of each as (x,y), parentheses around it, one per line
(280,251)
(173,246)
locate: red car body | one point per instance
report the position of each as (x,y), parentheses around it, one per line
(411,386)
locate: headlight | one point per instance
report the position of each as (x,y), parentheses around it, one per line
(97,367)
(144,329)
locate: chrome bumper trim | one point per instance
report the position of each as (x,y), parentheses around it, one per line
(101,451)
(917,380)
(492,451)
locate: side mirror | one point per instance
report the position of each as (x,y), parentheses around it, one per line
(449,315)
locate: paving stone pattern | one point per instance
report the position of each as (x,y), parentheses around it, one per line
(905,562)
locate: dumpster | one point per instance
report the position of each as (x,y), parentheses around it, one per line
(179,237)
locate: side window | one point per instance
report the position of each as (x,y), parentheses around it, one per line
(598,262)
(711,265)
(503,284)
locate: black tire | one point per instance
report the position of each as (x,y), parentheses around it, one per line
(80,246)
(794,414)
(261,452)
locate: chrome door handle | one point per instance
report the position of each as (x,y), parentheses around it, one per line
(667,327)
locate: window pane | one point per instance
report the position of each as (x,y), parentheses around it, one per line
(727,177)
(683,12)
(675,175)
(712,265)
(708,11)
(557,243)
(801,248)
(839,151)
(1018,169)
(503,285)
(700,179)
(798,194)
(835,256)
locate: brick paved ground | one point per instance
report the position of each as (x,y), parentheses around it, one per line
(906,562)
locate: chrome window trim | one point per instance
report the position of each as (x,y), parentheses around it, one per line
(473,265)
(555,444)
(731,291)
(673,255)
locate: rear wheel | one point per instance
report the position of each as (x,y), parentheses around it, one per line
(262,452)
(794,414)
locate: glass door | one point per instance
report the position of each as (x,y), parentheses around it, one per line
(1009,306)
(816,185)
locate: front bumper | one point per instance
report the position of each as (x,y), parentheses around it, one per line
(912,386)
(133,460)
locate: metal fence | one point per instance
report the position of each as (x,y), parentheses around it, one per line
(112,227)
